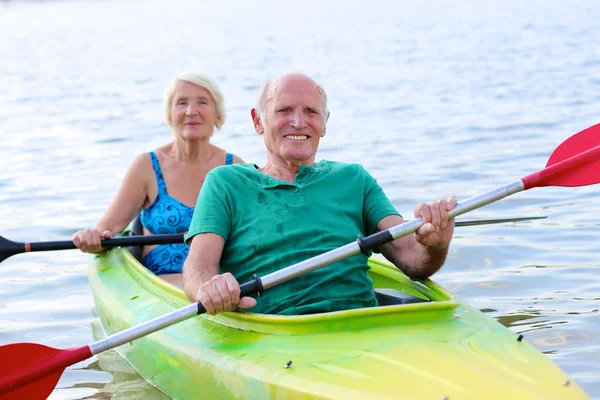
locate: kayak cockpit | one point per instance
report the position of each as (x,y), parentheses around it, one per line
(401,300)
(393,297)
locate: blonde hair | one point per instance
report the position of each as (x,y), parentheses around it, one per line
(204,82)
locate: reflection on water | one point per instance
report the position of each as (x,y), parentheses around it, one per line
(126,384)
(513,320)
(116,380)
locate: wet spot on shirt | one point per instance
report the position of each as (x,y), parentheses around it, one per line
(262,199)
(279,228)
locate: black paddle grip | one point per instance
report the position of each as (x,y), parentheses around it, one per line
(253,287)
(374,240)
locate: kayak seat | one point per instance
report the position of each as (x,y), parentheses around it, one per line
(390,297)
(136,230)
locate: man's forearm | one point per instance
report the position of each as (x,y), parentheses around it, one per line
(414,259)
(194,275)
(427,261)
(202,263)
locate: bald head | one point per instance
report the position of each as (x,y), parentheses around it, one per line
(269,89)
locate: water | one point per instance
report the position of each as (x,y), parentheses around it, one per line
(434,99)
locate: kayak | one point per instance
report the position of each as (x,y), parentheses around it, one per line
(419,343)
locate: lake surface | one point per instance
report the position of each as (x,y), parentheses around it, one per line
(434,99)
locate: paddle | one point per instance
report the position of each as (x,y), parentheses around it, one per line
(34,369)
(9,248)
(474,222)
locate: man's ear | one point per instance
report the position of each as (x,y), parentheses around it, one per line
(258,127)
(325,124)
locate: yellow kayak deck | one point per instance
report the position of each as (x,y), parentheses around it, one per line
(441,348)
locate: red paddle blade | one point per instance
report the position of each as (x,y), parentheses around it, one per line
(586,174)
(576,162)
(31,371)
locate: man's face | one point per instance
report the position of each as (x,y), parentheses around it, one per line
(294,120)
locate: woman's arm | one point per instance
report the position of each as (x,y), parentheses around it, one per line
(127,203)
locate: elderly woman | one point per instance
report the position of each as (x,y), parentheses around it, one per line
(164,184)
(295,208)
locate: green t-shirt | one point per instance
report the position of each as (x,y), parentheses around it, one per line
(269,224)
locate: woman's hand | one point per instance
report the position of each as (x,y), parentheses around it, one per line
(88,240)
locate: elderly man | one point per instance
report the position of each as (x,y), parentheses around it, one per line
(251,220)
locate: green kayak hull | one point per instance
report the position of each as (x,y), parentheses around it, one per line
(439,349)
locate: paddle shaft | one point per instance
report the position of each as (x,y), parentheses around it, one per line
(544,177)
(370,242)
(108,242)
(9,248)
(293,271)
(476,222)
(301,268)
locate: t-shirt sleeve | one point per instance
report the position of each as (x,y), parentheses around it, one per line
(213,212)
(376,204)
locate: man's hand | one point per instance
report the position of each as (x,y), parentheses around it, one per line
(437,230)
(222,293)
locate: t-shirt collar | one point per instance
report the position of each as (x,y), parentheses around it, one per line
(270,182)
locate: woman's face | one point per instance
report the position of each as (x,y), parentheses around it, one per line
(193,111)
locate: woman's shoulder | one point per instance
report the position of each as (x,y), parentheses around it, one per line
(141,163)
(222,154)
(140,172)
(143,158)
(238,160)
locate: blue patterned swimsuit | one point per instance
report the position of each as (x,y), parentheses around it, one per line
(164,216)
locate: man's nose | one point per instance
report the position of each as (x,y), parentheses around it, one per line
(298,120)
